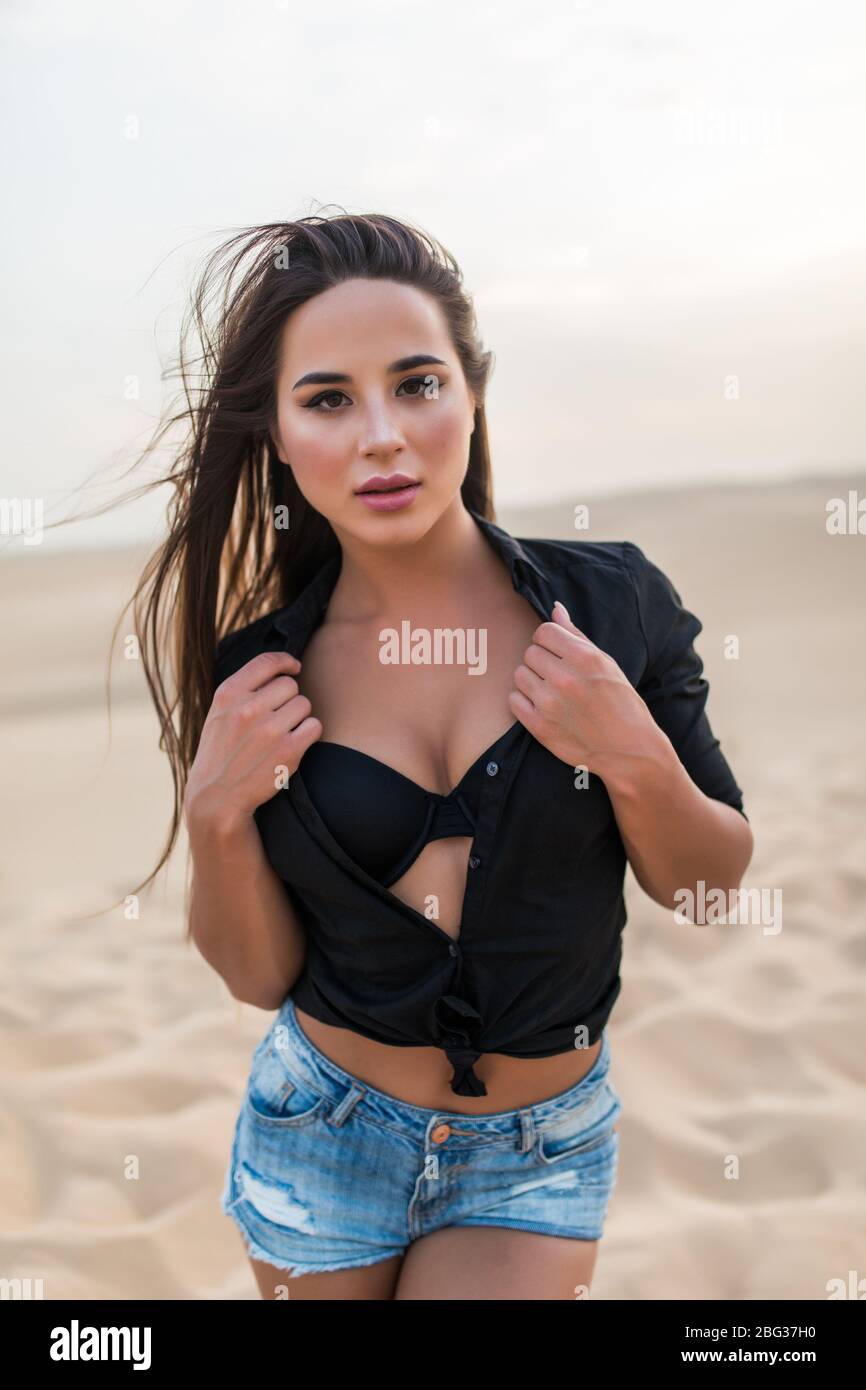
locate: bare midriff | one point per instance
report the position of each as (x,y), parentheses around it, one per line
(440,719)
(421,1075)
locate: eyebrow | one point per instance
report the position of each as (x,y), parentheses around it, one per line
(403,364)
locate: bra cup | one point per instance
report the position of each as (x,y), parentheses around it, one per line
(401,863)
(373,812)
(381,818)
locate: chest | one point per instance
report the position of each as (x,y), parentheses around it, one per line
(424,699)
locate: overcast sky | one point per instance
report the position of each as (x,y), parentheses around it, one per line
(659,210)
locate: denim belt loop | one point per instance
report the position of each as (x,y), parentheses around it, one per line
(346,1106)
(527,1132)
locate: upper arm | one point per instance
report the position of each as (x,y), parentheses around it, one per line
(673,684)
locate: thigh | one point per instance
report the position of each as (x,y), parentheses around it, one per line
(370,1282)
(489,1262)
(319,1196)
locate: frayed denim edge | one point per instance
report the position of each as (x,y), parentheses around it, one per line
(294,1271)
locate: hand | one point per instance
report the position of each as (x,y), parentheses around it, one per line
(256,732)
(575,700)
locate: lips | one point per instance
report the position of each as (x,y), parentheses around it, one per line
(399,482)
(392,494)
(365,491)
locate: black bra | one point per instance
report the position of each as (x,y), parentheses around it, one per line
(380,817)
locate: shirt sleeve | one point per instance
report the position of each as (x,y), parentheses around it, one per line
(673,684)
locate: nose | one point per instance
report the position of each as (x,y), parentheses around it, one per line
(381,433)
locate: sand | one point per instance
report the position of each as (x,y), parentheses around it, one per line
(124,1055)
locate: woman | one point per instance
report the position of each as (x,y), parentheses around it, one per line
(421,870)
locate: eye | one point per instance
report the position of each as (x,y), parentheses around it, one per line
(314,404)
(432,382)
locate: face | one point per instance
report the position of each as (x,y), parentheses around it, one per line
(369,385)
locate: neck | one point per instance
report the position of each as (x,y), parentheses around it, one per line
(437,570)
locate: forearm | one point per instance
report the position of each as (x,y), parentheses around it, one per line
(241,916)
(674,835)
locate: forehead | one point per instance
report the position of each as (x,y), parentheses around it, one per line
(372,317)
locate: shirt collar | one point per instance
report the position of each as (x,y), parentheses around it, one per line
(298,619)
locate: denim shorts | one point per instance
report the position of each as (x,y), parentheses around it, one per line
(326,1172)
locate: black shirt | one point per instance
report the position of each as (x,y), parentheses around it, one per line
(539,944)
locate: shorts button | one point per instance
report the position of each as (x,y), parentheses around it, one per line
(440,1134)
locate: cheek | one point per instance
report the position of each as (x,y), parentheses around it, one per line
(316,458)
(441,435)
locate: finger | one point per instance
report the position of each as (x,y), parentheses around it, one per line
(304,734)
(261,669)
(541,661)
(285,756)
(300,738)
(553,637)
(263,719)
(528,683)
(275,694)
(294,712)
(561,615)
(560,640)
(524,710)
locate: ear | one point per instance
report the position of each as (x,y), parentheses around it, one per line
(275,440)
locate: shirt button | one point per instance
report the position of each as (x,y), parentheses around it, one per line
(440,1134)
(492,769)
(474,861)
(453,951)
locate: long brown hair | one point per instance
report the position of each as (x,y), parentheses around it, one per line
(226,560)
